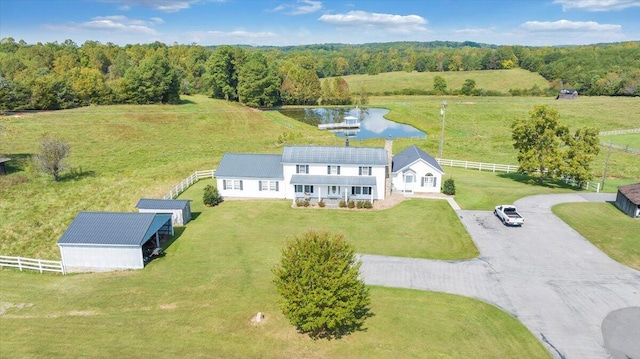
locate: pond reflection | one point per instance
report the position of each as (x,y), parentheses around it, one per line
(372,122)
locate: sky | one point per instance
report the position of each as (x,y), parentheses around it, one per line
(301,22)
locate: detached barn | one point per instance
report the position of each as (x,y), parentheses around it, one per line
(105,241)
(179,209)
(628,199)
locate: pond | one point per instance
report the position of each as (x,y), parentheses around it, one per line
(371,120)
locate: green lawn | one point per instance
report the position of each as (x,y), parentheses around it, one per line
(630,140)
(197,301)
(615,233)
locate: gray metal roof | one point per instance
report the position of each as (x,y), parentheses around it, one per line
(250,165)
(334,180)
(410,155)
(4,159)
(147,203)
(632,192)
(113,228)
(335,155)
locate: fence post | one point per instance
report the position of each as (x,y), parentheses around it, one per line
(598,187)
(40,265)
(19,264)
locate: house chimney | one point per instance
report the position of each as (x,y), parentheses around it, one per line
(388,146)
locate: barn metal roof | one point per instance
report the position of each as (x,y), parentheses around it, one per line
(4,159)
(250,165)
(335,155)
(410,155)
(113,228)
(334,180)
(147,203)
(632,192)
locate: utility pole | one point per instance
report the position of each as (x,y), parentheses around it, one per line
(442,112)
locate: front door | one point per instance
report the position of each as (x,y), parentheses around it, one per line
(334,191)
(408,183)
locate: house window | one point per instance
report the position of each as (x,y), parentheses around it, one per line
(268,186)
(360,190)
(232,184)
(428,181)
(408,179)
(306,188)
(333,170)
(302,169)
(364,171)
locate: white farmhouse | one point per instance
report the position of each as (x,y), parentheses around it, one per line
(327,173)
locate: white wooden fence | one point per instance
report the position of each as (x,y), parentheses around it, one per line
(493,167)
(496,167)
(188,182)
(41,265)
(619,132)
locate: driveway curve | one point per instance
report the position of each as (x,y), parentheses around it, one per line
(546,274)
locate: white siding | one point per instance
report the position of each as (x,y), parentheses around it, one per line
(419,169)
(83,258)
(177,215)
(251,189)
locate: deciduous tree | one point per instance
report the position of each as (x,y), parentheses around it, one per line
(52,153)
(546,149)
(318,279)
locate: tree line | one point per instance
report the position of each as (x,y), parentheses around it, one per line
(66,75)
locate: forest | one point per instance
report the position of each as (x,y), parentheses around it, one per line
(65,75)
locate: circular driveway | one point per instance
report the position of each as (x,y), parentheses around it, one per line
(547,275)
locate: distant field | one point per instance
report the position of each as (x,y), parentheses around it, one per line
(631,140)
(494,80)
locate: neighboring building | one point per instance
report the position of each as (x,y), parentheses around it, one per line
(628,199)
(180,209)
(416,171)
(3,168)
(567,94)
(106,241)
(319,172)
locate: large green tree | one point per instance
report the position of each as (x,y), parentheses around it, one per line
(153,81)
(257,82)
(319,280)
(547,149)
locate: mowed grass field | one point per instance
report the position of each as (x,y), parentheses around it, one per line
(197,301)
(494,80)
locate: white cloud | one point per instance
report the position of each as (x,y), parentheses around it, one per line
(160,5)
(120,24)
(301,7)
(388,22)
(597,5)
(566,25)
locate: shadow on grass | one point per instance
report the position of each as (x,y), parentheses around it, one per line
(195,215)
(177,233)
(76,173)
(186,102)
(547,183)
(17,162)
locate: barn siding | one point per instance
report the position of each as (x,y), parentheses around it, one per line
(177,215)
(83,258)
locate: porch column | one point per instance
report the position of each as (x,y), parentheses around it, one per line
(345,193)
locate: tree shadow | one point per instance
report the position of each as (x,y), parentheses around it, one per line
(186,102)
(534,181)
(76,173)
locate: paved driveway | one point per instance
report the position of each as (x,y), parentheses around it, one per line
(546,274)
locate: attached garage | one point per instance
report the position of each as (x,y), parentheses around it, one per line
(628,199)
(106,241)
(179,209)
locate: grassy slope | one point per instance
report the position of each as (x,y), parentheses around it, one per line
(608,228)
(631,140)
(495,80)
(198,300)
